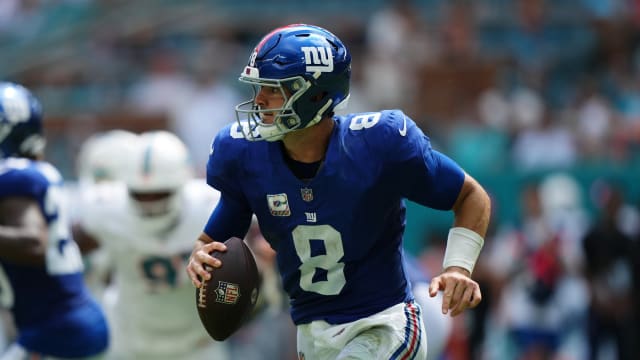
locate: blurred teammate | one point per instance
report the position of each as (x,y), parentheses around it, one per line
(328,192)
(147,224)
(41,270)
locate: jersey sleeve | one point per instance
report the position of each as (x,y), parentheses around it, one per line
(224,173)
(224,164)
(24,182)
(423,175)
(228,219)
(440,185)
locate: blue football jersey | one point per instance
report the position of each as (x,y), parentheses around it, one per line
(338,236)
(52,309)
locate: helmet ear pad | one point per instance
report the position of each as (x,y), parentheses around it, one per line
(21,129)
(26,140)
(328,87)
(318,97)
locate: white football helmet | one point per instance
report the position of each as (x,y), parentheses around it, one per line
(157,170)
(560,192)
(102,156)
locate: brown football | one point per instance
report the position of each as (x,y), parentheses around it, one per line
(227,299)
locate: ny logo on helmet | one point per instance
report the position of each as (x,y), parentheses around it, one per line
(318,58)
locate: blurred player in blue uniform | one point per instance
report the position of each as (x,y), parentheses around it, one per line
(41,269)
(328,192)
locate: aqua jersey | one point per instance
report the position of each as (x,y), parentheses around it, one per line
(52,309)
(338,236)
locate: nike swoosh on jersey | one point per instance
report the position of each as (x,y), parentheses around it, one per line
(403,131)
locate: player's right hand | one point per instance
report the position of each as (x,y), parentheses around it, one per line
(200,256)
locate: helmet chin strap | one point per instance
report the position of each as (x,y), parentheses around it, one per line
(5,129)
(33,145)
(265,133)
(321,111)
(319,114)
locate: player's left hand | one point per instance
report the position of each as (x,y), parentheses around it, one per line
(460,291)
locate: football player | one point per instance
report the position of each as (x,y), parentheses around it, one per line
(100,159)
(328,192)
(41,269)
(147,223)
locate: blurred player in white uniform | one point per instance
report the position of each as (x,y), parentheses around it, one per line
(146,224)
(99,161)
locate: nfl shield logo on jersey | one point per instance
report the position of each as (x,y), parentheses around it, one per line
(227,293)
(278,204)
(307,194)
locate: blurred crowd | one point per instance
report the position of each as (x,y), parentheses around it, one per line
(539,100)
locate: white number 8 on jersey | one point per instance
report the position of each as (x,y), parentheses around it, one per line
(329,261)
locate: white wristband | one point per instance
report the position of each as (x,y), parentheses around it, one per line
(463,248)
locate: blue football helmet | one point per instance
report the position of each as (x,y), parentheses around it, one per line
(309,65)
(20,122)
